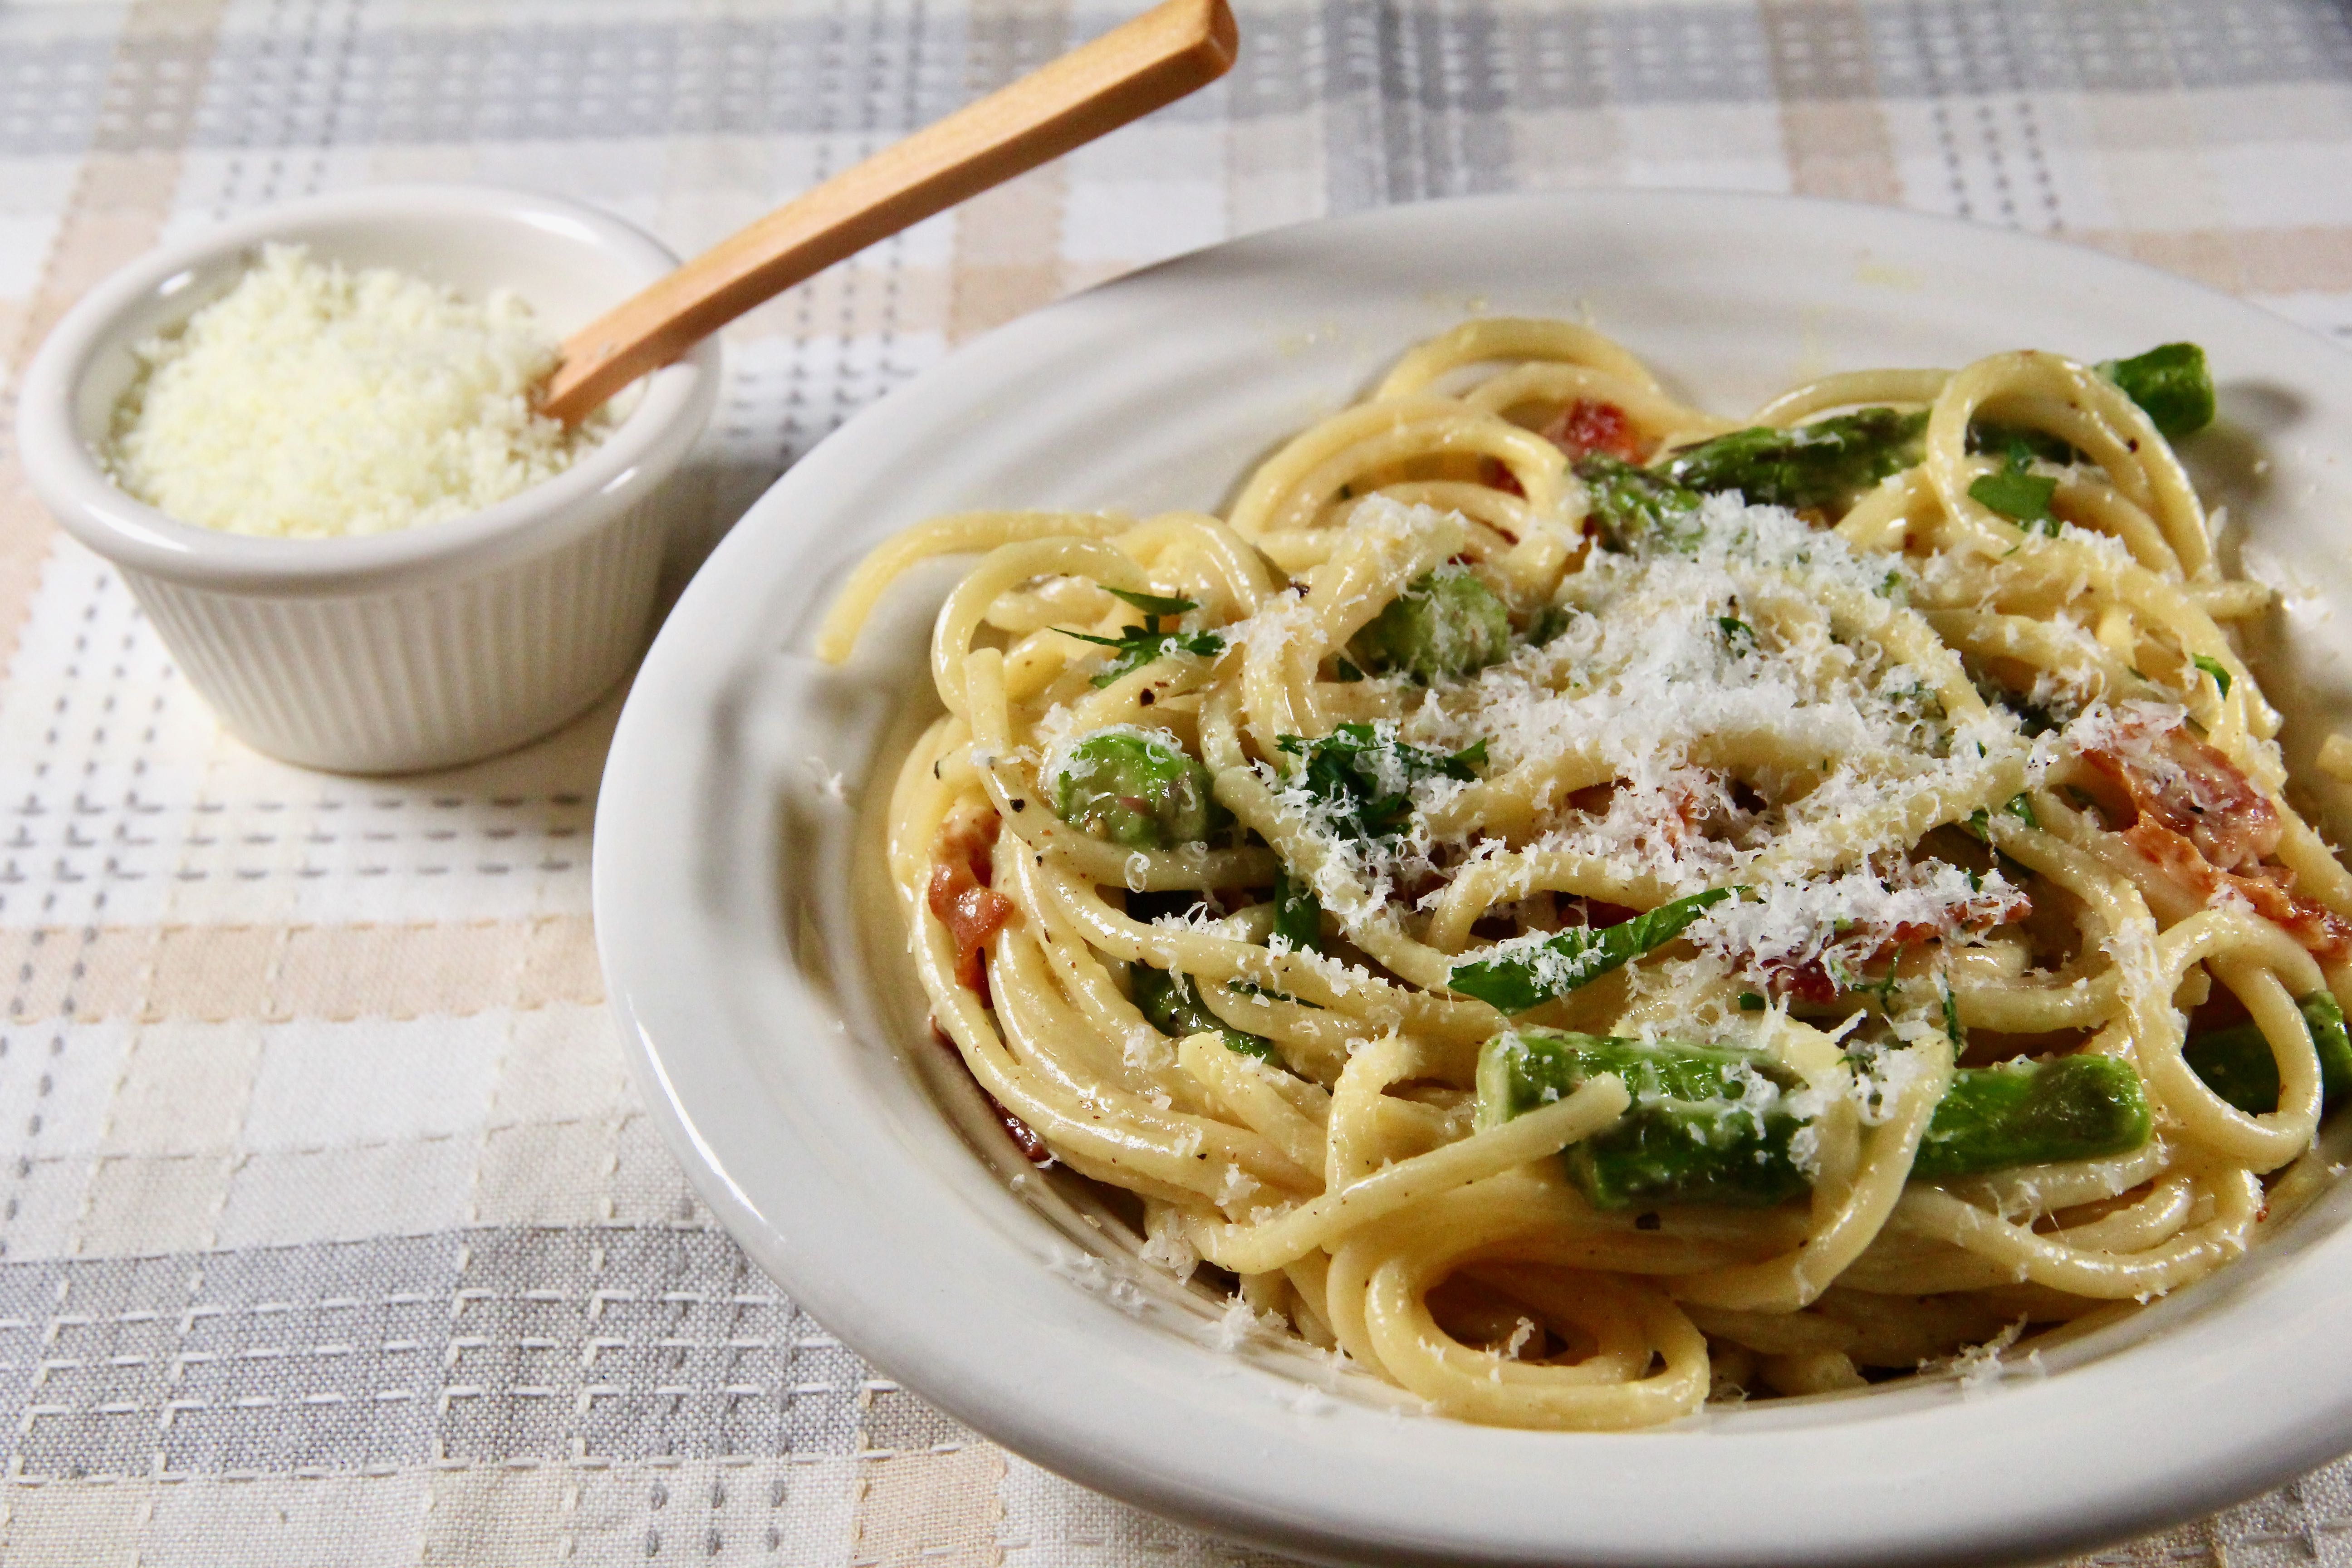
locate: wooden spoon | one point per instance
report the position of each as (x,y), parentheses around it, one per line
(1150,62)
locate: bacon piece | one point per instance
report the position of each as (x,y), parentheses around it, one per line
(2269,888)
(2179,782)
(972,914)
(1586,426)
(968,835)
(1813,981)
(2205,828)
(1575,913)
(1805,982)
(959,895)
(2321,930)
(1025,1137)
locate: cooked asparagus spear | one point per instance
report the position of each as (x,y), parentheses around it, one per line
(1298,913)
(1824,463)
(1828,462)
(1709,1124)
(1446,622)
(1136,789)
(1635,508)
(2170,382)
(1169,1004)
(1712,1125)
(2032,1113)
(2237,1064)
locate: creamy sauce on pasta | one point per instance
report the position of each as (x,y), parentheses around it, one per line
(1588,909)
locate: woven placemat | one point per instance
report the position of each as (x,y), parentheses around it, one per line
(330,1230)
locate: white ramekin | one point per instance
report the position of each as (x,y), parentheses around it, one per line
(423,647)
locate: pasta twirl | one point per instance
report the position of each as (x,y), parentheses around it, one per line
(1587,908)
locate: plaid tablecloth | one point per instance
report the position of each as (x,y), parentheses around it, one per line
(330,1230)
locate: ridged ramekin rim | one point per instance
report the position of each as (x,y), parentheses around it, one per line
(604,483)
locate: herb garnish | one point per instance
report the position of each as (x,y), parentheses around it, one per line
(1573,957)
(1141,646)
(2017,493)
(1351,771)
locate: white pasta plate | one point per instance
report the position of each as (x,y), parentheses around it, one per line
(780,1037)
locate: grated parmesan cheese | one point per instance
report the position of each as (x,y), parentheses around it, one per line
(1241,1324)
(2132,731)
(312,402)
(1665,657)
(1978,1369)
(1789,924)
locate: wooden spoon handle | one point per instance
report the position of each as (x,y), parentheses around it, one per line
(1148,63)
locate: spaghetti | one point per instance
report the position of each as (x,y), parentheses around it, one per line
(1586,910)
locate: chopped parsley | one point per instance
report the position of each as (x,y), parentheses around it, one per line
(2017,493)
(1363,780)
(1979,827)
(1140,646)
(1154,605)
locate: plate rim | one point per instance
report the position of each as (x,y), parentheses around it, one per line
(2188,1480)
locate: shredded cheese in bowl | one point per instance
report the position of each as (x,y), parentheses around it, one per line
(315,402)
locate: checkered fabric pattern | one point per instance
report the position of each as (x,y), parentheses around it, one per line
(330,1229)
